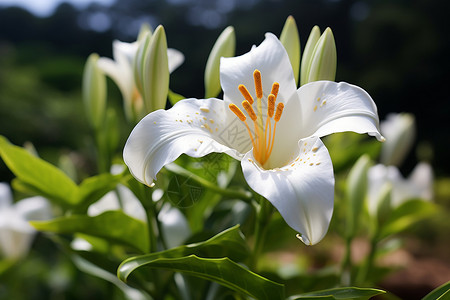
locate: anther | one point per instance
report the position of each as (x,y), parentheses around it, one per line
(247,106)
(271,105)
(245,93)
(275,88)
(237,112)
(279,111)
(258,84)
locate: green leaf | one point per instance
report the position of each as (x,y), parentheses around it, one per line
(341,293)
(221,270)
(111,225)
(440,293)
(174,97)
(405,215)
(38,174)
(230,243)
(93,188)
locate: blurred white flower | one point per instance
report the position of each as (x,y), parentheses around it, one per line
(174,225)
(121,71)
(399,131)
(120,199)
(16,234)
(418,185)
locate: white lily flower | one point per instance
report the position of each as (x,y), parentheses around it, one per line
(16,234)
(281,154)
(418,185)
(121,71)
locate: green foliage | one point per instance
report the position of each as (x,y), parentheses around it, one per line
(229,243)
(114,226)
(340,293)
(41,175)
(405,215)
(440,293)
(223,271)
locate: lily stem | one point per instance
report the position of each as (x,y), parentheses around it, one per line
(263,215)
(346,269)
(239,194)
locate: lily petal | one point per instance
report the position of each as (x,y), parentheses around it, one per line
(120,73)
(271,59)
(302,191)
(194,127)
(329,107)
(5,196)
(175,59)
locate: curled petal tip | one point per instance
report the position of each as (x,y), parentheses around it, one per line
(304,239)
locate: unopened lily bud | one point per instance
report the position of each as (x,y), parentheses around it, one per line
(225,46)
(356,192)
(291,41)
(383,203)
(152,70)
(399,131)
(145,29)
(324,58)
(307,54)
(94,91)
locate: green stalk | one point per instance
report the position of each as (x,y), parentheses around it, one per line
(263,215)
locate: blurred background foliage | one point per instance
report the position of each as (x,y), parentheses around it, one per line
(396,50)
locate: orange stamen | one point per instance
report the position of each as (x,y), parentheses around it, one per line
(258,84)
(264,139)
(271,105)
(275,88)
(248,107)
(279,111)
(237,112)
(245,93)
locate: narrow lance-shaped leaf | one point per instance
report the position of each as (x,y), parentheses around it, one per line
(223,271)
(41,176)
(440,293)
(114,226)
(224,47)
(291,41)
(353,293)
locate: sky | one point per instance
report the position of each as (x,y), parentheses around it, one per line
(44,8)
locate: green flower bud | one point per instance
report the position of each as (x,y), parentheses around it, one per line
(356,193)
(152,70)
(307,54)
(291,41)
(94,91)
(383,201)
(324,58)
(224,47)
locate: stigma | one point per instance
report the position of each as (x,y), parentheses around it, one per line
(264,123)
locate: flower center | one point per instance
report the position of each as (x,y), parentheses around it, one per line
(263,136)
